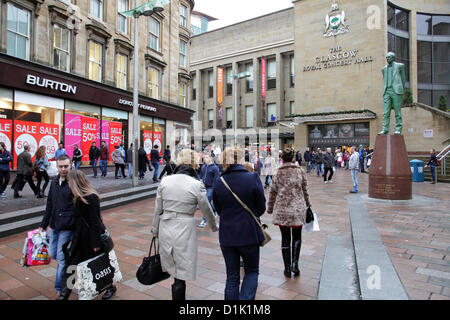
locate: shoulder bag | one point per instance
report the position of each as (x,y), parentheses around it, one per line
(150,271)
(267,237)
(105,238)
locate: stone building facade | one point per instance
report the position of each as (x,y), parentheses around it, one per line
(89,45)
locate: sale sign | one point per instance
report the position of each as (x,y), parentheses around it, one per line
(72,132)
(157,138)
(88,135)
(48,137)
(6,132)
(26,133)
(115,135)
(148,144)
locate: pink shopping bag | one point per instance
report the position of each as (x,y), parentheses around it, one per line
(38,247)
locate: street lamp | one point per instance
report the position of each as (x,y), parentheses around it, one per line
(147,10)
(236,77)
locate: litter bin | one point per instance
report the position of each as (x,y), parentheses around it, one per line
(417,170)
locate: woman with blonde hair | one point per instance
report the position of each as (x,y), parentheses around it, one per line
(239,235)
(41,165)
(86,241)
(174,224)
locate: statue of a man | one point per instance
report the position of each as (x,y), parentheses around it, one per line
(394,84)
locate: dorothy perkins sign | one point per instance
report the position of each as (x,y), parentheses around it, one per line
(337,57)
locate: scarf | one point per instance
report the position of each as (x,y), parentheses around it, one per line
(188,170)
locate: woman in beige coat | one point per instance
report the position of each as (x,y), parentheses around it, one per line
(288,201)
(174,224)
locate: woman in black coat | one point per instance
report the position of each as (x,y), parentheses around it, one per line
(143,162)
(86,242)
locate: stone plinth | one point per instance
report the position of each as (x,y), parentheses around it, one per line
(390,175)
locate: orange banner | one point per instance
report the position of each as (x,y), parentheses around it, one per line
(219,97)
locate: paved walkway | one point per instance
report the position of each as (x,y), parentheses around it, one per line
(417,238)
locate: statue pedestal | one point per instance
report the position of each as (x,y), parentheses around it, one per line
(390,175)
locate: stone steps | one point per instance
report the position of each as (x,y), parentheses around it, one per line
(24,220)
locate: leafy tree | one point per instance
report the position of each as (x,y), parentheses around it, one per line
(407,97)
(442,104)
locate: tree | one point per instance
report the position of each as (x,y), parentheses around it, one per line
(442,104)
(407,97)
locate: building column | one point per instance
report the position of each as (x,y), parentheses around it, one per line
(257,99)
(198,105)
(280,86)
(413,77)
(236,122)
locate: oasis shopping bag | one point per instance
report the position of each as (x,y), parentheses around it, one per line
(96,275)
(150,271)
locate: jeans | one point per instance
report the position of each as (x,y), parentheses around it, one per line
(4,180)
(250,256)
(130,169)
(209,192)
(319,167)
(156,169)
(94,167)
(77,165)
(354,173)
(433,173)
(268,180)
(57,240)
(104,167)
(308,166)
(40,175)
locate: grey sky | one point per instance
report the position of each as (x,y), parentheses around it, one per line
(233,11)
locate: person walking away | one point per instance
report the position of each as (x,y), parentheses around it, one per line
(346,159)
(239,234)
(361,158)
(340,159)
(77,156)
(313,161)
(307,158)
(167,156)
(208,174)
(24,173)
(319,163)
(5,167)
(288,202)
(328,163)
(88,226)
(155,158)
(142,162)
(104,157)
(257,164)
(130,161)
(119,162)
(169,168)
(298,158)
(432,163)
(353,166)
(61,151)
(42,166)
(174,221)
(94,154)
(60,217)
(269,165)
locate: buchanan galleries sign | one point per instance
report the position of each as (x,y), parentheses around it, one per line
(337,58)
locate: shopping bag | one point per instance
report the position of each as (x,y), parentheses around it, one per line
(313,225)
(150,271)
(38,247)
(23,260)
(96,275)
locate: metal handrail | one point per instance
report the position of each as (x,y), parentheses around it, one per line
(442,159)
(447,150)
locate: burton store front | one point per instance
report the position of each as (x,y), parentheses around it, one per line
(40,106)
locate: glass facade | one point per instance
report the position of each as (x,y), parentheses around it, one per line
(398,36)
(433,58)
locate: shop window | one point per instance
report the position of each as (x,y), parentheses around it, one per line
(271,114)
(210,119)
(292,107)
(159,134)
(182,54)
(114,128)
(153,83)
(182,94)
(183,20)
(249,116)
(18,35)
(194,86)
(122,24)
(292,72)
(96,9)
(37,122)
(210,84)
(6,116)
(95,61)
(229,114)
(82,127)
(271,74)
(154,34)
(249,80)
(229,73)
(61,48)
(146,133)
(121,71)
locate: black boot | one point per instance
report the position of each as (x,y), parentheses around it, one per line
(109,293)
(295,257)
(286,252)
(65,293)
(179,290)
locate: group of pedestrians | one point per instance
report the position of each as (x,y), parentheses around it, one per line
(236,194)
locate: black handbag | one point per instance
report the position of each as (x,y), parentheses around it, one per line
(309,215)
(105,239)
(150,271)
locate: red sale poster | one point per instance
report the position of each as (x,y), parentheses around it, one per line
(88,135)
(148,144)
(115,135)
(6,133)
(25,133)
(48,137)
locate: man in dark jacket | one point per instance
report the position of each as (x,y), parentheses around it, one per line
(60,217)
(24,173)
(167,156)
(130,161)
(94,154)
(432,163)
(155,158)
(307,158)
(328,162)
(104,157)
(318,159)
(5,159)
(208,174)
